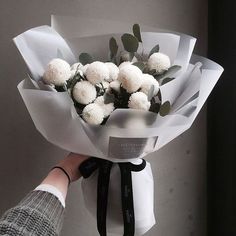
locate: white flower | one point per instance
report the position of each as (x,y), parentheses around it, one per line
(123,64)
(131,78)
(84,68)
(57,72)
(97,72)
(93,114)
(159,62)
(115,85)
(139,100)
(147,82)
(113,71)
(76,66)
(84,92)
(72,73)
(107,108)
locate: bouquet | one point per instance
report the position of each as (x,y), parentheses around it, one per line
(115,108)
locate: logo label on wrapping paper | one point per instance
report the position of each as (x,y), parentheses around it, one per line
(126,148)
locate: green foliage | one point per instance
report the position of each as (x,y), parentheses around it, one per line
(166,80)
(136,32)
(62,88)
(108,98)
(85,58)
(113,46)
(130,42)
(139,64)
(165,108)
(155,107)
(168,73)
(154,50)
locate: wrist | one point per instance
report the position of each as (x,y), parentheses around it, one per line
(71,165)
(57,179)
(64,171)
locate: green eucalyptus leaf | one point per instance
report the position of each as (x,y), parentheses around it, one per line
(165,108)
(155,107)
(72,82)
(113,59)
(140,65)
(152,72)
(136,32)
(146,70)
(154,50)
(130,42)
(131,56)
(168,73)
(85,58)
(139,56)
(61,88)
(172,70)
(113,47)
(166,80)
(151,93)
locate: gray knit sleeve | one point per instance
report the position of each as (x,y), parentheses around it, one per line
(39,213)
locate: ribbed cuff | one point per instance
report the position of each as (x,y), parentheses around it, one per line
(47,204)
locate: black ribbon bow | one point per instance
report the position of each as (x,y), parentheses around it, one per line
(104,169)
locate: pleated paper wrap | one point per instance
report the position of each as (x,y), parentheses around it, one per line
(55,117)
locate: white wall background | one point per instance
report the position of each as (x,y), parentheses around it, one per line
(179,168)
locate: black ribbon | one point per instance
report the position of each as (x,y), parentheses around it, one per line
(104,169)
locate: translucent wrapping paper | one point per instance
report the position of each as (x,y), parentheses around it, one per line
(128,134)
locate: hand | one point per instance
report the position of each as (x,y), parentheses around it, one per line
(71,165)
(58,178)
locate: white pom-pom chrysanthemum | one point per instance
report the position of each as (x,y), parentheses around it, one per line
(93,114)
(115,85)
(57,72)
(107,108)
(97,72)
(72,73)
(84,92)
(159,62)
(84,68)
(139,100)
(123,64)
(113,71)
(131,78)
(147,82)
(76,66)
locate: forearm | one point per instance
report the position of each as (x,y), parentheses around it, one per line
(58,179)
(39,213)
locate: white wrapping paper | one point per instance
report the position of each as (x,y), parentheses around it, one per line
(55,117)
(143,194)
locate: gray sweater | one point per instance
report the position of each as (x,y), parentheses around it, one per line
(39,213)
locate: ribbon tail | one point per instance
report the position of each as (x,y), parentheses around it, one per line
(127,200)
(102,196)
